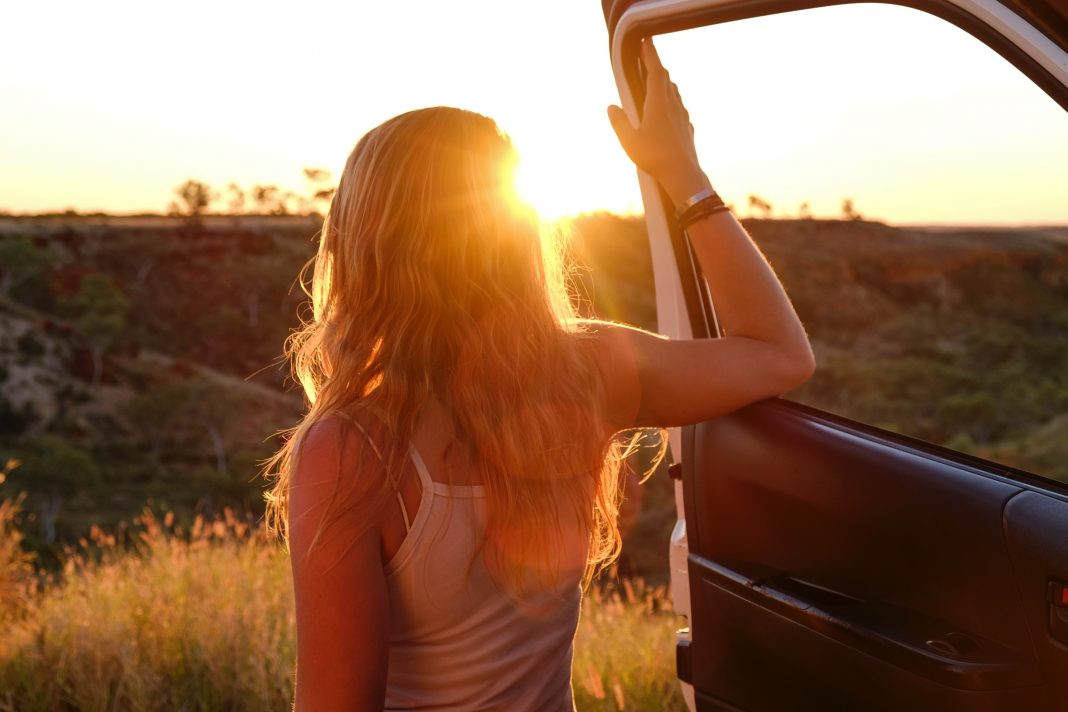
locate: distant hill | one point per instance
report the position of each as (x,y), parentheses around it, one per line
(953,336)
(139,358)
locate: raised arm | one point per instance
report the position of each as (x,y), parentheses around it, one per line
(765,351)
(340,587)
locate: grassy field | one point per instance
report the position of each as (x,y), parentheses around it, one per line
(202,619)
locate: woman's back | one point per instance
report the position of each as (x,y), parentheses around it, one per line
(457,640)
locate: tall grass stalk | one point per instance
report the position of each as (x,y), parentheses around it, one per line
(16,566)
(196,620)
(625,650)
(203,620)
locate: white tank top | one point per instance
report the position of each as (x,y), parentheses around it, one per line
(457,641)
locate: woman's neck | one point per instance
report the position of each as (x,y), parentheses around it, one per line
(435,438)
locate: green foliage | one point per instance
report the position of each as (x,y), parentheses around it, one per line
(946,337)
(30,347)
(51,463)
(101,310)
(24,270)
(13,421)
(962,442)
(937,335)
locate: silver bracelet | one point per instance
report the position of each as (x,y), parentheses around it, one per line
(694,200)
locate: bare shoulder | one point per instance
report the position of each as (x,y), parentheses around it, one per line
(336,465)
(613,342)
(619,353)
(341,435)
(330,448)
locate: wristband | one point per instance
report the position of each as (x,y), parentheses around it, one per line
(707,205)
(693,200)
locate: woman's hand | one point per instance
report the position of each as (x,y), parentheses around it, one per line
(662,145)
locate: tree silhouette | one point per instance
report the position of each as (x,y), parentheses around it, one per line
(758,203)
(805,212)
(195,197)
(849,212)
(235,201)
(319,188)
(266,198)
(284,202)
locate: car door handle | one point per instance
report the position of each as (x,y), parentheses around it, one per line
(911,640)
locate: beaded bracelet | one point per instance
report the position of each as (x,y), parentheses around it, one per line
(702,207)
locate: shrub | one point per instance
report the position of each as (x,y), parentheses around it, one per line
(12,420)
(30,347)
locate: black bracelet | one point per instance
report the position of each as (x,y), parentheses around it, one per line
(709,205)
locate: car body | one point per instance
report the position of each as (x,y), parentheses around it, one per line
(828,564)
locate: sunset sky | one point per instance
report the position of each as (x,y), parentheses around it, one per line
(108,105)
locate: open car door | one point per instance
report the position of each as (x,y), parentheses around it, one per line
(828,564)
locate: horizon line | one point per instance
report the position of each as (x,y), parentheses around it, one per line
(100,215)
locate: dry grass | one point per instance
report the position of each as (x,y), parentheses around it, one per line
(625,650)
(17,582)
(196,620)
(202,620)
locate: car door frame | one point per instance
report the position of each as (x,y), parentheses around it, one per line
(684,305)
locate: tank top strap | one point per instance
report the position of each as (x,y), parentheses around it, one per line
(404,512)
(420,467)
(363,431)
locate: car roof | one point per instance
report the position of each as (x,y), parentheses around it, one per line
(1048,16)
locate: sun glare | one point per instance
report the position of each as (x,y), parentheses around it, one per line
(543,191)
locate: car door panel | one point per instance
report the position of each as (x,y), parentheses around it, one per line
(826,675)
(881,557)
(1036,529)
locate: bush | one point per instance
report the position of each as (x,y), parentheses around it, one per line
(30,347)
(12,420)
(52,462)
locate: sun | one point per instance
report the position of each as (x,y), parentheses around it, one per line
(534,187)
(566,175)
(553,193)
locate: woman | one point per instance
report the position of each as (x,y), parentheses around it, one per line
(457,473)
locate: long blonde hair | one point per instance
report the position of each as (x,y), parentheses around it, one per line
(433,281)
